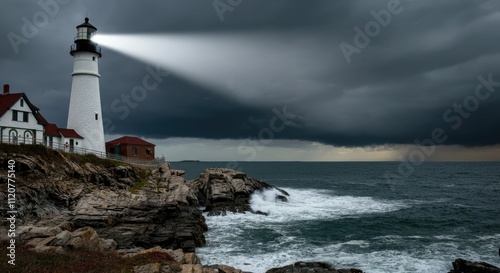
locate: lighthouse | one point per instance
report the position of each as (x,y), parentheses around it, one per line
(85,115)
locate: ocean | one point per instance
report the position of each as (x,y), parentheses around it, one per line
(349,215)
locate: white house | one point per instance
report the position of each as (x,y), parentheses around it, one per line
(21,122)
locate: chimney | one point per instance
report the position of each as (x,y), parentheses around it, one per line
(6,89)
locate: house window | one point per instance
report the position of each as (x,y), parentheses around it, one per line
(25,116)
(22,103)
(96,116)
(134,151)
(148,152)
(14,115)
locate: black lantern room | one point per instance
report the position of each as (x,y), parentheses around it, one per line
(83,39)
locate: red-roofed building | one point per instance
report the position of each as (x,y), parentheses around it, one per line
(21,122)
(131,147)
(58,138)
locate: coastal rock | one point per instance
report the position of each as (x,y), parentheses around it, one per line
(220,190)
(464,266)
(307,267)
(177,172)
(192,268)
(61,239)
(163,212)
(220,268)
(178,261)
(85,238)
(30,232)
(148,268)
(81,239)
(62,192)
(177,255)
(53,182)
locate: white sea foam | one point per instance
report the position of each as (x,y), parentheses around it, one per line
(317,204)
(237,239)
(372,261)
(494,237)
(446,237)
(229,236)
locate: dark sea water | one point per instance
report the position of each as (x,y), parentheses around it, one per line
(349,215)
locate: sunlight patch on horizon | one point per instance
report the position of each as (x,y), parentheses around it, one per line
(226,150)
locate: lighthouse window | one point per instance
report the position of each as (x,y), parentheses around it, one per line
(96,116)
(93,58)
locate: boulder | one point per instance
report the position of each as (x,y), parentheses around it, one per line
(220,268)
(61,239)
(108,245)
(148,268)
(307,267)
(85,238)
(177,172)
(192,268)
(464,266)
(81,239)
(222,190)
(37,243)
(191,258)
(30,232)
(281,198)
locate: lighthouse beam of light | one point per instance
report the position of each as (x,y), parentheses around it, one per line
(254,68)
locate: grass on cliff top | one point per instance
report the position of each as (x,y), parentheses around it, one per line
(93,159)
(76,261)
(55,156)
(40,150)
(135,188)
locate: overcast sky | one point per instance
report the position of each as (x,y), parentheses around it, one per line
(325,80)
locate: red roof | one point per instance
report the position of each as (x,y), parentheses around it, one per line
(8,100)
(69,133)
(40,118)
(51,130)
(129,140)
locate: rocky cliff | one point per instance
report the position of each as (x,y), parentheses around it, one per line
(134,207)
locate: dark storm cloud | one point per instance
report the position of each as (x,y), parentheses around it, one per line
(395,90)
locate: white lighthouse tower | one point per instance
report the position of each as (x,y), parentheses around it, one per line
(85,115)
